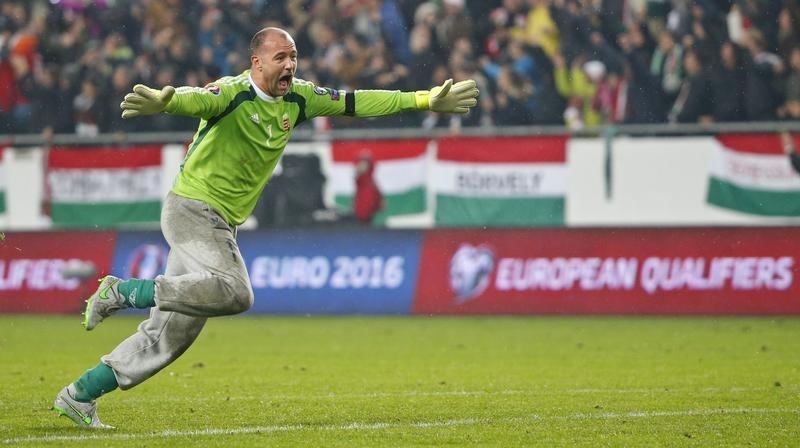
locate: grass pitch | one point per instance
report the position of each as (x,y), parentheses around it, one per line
(277,381)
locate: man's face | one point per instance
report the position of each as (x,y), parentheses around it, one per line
(274,64)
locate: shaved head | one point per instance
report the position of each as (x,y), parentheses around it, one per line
(258,39)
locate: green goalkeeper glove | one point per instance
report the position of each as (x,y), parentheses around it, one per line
(145,101)
(448,98)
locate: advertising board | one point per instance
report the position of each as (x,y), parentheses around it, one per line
(32,263)
(610,271)
(359,271)
(140,255)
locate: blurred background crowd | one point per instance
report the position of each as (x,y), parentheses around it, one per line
(66,64)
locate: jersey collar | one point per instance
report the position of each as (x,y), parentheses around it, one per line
(262,94)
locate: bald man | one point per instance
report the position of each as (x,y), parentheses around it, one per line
(245,123)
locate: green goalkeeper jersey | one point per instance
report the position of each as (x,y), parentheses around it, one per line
(243,132)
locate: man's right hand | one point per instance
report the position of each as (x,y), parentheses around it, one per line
(145,101)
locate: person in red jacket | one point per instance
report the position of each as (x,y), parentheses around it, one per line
(368,200)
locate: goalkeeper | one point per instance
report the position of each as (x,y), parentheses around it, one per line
(245,124)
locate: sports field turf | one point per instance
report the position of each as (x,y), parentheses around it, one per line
(253,382)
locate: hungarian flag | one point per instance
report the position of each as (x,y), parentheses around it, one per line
(104,187)
(501,181)
(750,173)
(400,172)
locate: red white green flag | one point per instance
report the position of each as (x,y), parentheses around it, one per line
(506,181)
(750,173)
(400,173)
(104,187)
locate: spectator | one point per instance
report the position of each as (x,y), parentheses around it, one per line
(507,23)
(299,14)
(116,49)
(514,98)
(599,49)
(455,23)
(707,30)
(547,105)
(121,84)
(667,65)
(762,69)
(693,102)
(736,24)
(763,17)
(611,98)
(522,62)
(48,102)
(87,110)
(574,24)
(426,14)
(180,54)
(383,72)
(788,33)
(462,55)
(541,30)
(644,100)
(791,107)
(576,85)
(352,61)
(478,116)
(422,53)
(368,200)
(329,51)
(393,28)
(8,77)
(728,85)
(367,21)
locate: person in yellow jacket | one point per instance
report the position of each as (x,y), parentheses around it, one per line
(540,28)
(574,84)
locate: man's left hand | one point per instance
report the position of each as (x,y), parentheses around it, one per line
(449,98)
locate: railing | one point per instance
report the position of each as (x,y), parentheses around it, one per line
(308,134)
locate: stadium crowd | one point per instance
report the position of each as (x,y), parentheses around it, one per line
(66,64)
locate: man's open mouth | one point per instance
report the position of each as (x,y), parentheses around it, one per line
(284,81)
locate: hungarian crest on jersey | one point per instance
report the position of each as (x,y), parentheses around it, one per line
(285,123)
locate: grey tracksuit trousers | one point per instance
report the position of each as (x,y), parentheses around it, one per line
(205,276)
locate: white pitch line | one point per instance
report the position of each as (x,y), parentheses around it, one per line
(364,426)
(353,426)
(686,413)
(454,393)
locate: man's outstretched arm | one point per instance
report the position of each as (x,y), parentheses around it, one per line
(191,101)
(455,98)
